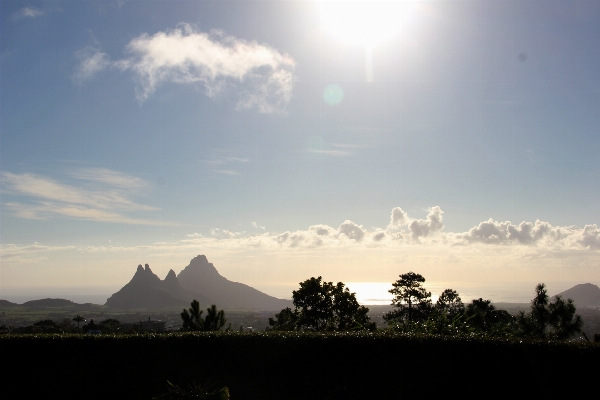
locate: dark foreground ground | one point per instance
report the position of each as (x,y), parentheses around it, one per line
(295,366)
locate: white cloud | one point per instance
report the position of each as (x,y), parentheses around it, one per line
(28,12)
(321,230)
(262,76)
(425,232)
(399,218)
(91,61)
(423,227)
(110,177)
(352,230)
(494,232)
(254,224)
(101,195)
(223,233)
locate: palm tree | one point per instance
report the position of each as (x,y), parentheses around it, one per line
(78,319)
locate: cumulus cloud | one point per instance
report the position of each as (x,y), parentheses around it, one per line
(351,230)
(424,227)
(399,218)
(588,237)
(430,232)
(101,195)
(257,226)
(495,232)
(321,230)
(262,77)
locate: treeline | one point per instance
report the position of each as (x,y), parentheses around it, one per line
(324,306)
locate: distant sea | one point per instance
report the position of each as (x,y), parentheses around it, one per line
(375,293)
(95,295)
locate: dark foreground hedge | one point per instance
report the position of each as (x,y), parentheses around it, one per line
(295,366)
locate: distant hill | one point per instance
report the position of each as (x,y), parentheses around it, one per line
(200,276)
(6,303)
(147,290)
(585,294)
(49,303)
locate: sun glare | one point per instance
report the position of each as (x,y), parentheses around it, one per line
(365,23)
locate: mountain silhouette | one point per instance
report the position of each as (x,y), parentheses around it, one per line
(200,280)
(200,276)
(585,294)
(147,290)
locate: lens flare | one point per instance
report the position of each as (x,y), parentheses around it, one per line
(333,95)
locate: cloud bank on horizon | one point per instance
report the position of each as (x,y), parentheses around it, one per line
(104,195)
(404,230)
(262,77)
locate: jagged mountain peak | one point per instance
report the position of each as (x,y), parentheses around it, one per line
(200,276)
(200,280)
(199,265)
(171,276)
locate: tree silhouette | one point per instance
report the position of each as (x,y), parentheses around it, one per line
(556,318)
(285,320)
(323,306)
(78,319)
(411,299)
(214,319)
(450,303)
(484,316)
(192,320)
(110,325)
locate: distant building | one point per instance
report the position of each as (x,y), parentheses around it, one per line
(151,325)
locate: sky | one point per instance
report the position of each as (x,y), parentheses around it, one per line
(353,141)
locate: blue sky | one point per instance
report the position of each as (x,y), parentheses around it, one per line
(270,137)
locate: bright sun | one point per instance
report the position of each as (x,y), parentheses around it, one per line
(363,22)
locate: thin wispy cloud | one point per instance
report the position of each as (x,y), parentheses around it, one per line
(100,195)
(28,12)
(331,152)
(226,172)
(335,149)
(261,76)
(91,60)
(32,253)
(225,162)
(110,177)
